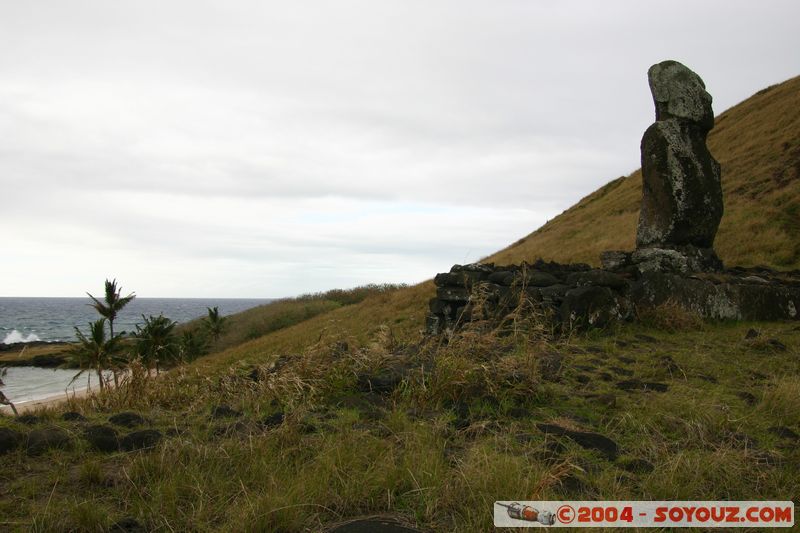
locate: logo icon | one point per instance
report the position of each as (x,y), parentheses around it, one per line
(518,511)
(565,514)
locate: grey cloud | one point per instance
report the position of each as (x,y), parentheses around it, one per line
(121,120)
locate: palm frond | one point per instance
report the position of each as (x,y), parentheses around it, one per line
(76,376)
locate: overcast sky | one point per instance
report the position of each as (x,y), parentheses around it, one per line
(266,149)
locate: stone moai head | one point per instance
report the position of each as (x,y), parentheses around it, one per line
(680,93)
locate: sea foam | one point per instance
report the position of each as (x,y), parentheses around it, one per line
(15,336)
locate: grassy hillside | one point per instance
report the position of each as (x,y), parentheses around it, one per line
(286,312)
(316,412)
(758,145)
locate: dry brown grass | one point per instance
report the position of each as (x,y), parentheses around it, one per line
(670,317)
(403,311)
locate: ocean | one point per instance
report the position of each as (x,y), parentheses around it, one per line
(54,319)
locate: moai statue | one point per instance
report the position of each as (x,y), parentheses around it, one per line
(681,193)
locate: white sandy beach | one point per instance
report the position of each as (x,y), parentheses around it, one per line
(50,401)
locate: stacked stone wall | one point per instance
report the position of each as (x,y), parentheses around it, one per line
(578,296)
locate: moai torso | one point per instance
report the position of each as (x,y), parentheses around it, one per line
(682,192)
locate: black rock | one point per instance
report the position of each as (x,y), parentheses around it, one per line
(540,279)
(483,268)
(102,438)
(224,411)
(453,294)
(590,306)
(460,408)
(127,419)
(574,484)
(447,279)
(675,259)
(273,420)
(767,458)
(438,307)
(637,466)
(751,334)
(255,374)
(128,525)
(525,438)
(382,382)
(142,439)
(503,277)
(614,259)
(434,324)
(748,397)
(553,294)
(28,419)
(784,432)
(551,450)
(9,440)
(600,278)
(669,363)
(41,440)
(585,439)
(776,345)
(368,405)
(72,416)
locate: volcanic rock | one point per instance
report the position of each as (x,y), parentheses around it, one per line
(682,191)
(41,440)
(138,440)
(9,440)
(102,438)
(127,419)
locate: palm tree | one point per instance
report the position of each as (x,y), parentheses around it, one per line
(155,341)
(95,352)
(192,345)
(112,304)
(214,323)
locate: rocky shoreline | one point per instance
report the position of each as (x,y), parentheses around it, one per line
(42,354)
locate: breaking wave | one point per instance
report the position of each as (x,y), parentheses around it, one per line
(15,336)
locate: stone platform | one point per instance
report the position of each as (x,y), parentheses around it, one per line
(578,296)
